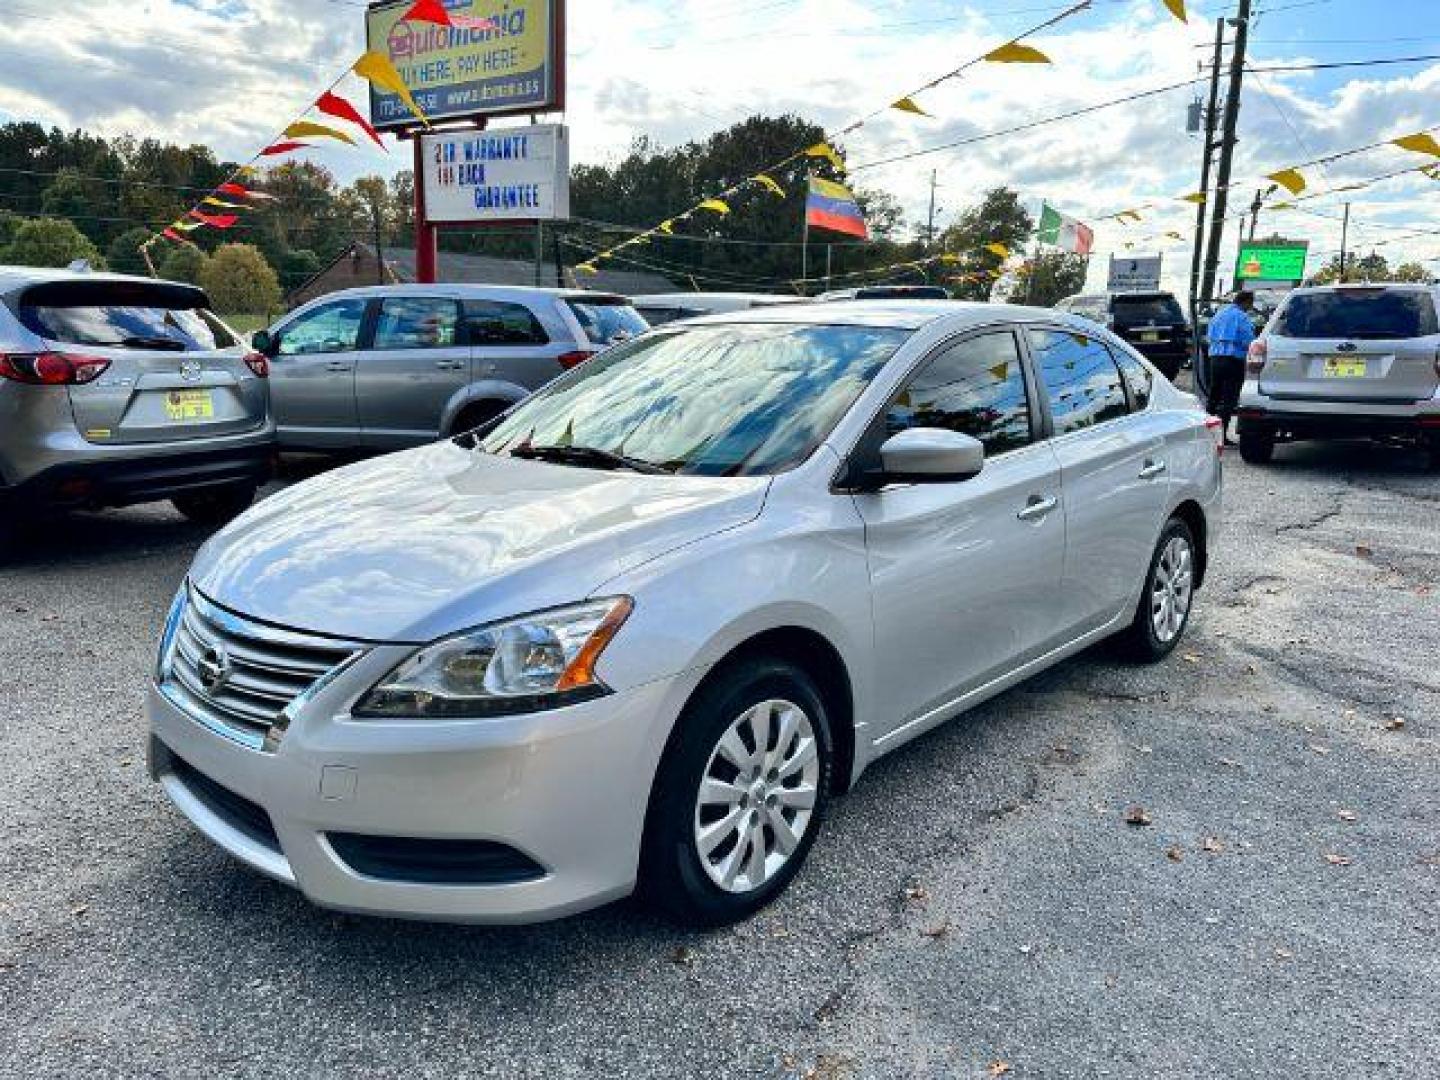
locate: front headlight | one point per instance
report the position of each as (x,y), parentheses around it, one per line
(535,662)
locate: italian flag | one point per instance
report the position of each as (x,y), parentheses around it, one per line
(1062,231)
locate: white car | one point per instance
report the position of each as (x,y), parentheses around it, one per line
(640,629)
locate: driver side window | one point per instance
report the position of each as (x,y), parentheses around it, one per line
(329,328)
(975,387)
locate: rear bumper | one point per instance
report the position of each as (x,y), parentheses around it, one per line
(1337,420)
(115,480)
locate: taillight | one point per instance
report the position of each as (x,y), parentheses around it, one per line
(51,368)
(259,363)
(1255,359)
(574,359)
(1216,428)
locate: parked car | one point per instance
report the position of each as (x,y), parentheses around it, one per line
(663,308)
(393,366)
(643,627)
(887,292)
(1151,322)
(1345,361)
(117,390)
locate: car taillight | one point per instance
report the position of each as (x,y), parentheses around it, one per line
(573,359)
(1216,428)
(1255,360)
(259,363)
(51,368)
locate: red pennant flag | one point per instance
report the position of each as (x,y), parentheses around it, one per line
(244,192)
(217,221)
(433,11)
(281,148)
(334,105)
(171,234)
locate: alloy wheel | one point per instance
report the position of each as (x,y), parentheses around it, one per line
(757,795)
(1172,589)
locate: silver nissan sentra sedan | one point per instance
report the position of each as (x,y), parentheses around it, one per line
(639,630)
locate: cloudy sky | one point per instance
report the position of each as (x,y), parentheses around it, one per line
(231,72)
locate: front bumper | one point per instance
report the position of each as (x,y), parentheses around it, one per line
(567,789)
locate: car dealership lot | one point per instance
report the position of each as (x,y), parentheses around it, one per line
(979,898)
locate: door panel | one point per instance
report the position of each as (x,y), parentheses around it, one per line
(416,363)
(312,377)
(513,344)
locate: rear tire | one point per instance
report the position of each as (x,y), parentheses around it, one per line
(476,415)
(9,528)
(1163,613)
(1257,445)
(216,506)
(723,839)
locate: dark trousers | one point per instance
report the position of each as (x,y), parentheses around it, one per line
(1227,375)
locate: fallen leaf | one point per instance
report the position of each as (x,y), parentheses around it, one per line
(1137,816)
(1140,748)
(1231,762)
(1319,749)
(683,956)
(1175,853)
(1349,714)
(1190,658)
(915,893)
(936,931)
(1337,860)
(999,1068)
(79,909)
(1364,551)
(1395,723)
(1345,815)
(1212,844)
(1284,954)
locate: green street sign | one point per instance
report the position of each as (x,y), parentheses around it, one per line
(1271,262)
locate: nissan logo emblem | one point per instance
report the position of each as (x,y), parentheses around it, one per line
(213,668)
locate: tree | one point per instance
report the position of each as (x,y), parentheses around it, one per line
(1412,272)
(123,255)
(240,281)
(183,263)
(297,267)
(48,242)
(1048,278)
(997,219)
(80,199)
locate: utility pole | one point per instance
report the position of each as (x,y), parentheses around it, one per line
(1227,145)
(1344,241)
(1208,154)
(379,244)
(1255,211)
(930,220)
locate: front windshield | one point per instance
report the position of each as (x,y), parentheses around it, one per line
(731,400)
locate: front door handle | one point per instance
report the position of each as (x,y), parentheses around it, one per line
(337,365)
(449,365)
(1038,508)
(1152,469)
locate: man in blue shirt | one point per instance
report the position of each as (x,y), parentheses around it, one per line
(1229,341)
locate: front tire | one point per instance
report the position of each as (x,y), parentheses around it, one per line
(1163,612)
(215,506)
(739,795)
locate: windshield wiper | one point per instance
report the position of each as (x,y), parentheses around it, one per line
(589,456)
(140,341)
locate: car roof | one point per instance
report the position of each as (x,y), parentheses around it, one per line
(1366,286)
(682,298)
(462,290)
(16,276)
(897,314)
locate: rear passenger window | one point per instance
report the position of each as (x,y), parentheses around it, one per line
(495,322)
(1137,377)
(975,387)
(416,322)
(1080,378)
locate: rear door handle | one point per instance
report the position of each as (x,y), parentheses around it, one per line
(337,365)
(1153,469)
(1038,508)
(449,365)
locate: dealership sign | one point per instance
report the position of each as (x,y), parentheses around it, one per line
(1134,275)
(1277,261)
(501,174)
(515,64)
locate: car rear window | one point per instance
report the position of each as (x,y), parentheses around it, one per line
(124,314)
(1359,314)
(1132,310)
(606,322)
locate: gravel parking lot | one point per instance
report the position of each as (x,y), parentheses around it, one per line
(978,904)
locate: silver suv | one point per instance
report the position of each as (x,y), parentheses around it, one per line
(118,390)
(1345,361)
(394,366)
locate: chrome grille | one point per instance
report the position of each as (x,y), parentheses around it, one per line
(237,676)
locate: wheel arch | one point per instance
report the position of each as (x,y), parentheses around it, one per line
(503,394)
(1193,515)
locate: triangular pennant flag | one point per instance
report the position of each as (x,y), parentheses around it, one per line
(828,152)
(1196,197)
(998,249)
(210,200)
(1172,235)
(334,105)
(170,234)
(243,192)
(1015,53)
(586,268)
(666,227)
(950,258)
(720,206)
(275,149)
(1289,179)
(377,68)
(304,129)
(1281,206)
(769,185)
(431,11)
(1127,215)
(185,226)
(1176,8)
(216,221)
(908,105)
(1422,142)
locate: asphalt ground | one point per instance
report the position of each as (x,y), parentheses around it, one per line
(978,904)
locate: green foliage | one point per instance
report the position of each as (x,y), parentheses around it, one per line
(997,219)
(49,242)
(1050,277)
(1411,272)
(183,264)
(123,255)
(240,281)
(1373,267)
(298,267)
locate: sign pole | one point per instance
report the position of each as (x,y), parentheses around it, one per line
(426,235)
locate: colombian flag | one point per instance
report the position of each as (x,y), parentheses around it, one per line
(832,206)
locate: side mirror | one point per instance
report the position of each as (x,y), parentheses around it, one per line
(264,342)
(931,456)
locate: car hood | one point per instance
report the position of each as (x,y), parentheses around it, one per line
(416,545)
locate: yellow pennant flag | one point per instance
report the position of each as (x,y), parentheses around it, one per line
(950,258)
(1015,53)
(1128,246)
(769,185)
(1289,179)
(907,104)
(998,249)
(666,227)
(586,268)
(828,152)
(1127,215)
(1422,142)
(1176,8)
(210,200)
(303,129)
(720,206)
(377,68)
(1172,235)
(1196,197)
(185,226)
